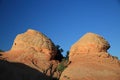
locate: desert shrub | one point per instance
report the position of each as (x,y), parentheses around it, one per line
(62,65)
(64,61)
(115,57)
(59,55)
(1,50)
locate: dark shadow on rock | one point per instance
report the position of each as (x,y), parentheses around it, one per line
(19,71)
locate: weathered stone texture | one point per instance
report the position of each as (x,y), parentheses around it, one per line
(36,41)
(35,50)
(90,60)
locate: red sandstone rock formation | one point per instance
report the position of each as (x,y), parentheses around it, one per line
(34,41)
(90,60)
(35,50)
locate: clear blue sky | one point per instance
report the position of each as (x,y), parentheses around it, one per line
(64,21)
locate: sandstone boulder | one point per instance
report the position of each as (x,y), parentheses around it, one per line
(90,43)
(35,50)
(34,41)
(90,60)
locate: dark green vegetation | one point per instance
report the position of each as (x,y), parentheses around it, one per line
(63,60)
(62,65)
(59,55)
(1,50)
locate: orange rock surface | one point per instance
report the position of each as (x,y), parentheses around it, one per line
(90,60)
(35,50)
(34,41)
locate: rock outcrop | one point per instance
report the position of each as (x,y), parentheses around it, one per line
(36,41)
(36,53)
(35,50)
(90,60)
(89,44)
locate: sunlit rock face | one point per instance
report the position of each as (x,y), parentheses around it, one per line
(35,50)
(90,60)
(90,43)
(34,40)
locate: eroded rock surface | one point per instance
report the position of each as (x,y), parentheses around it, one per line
(90,60)
(36,41)
(35,50)
(90,43)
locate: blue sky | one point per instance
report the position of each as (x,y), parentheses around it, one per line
(64,21)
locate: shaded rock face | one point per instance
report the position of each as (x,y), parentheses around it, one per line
(18,71)
(90,60)
(36,51)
